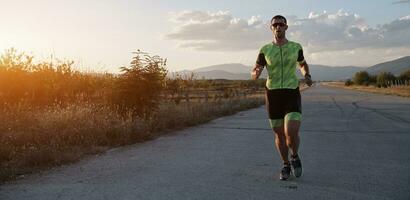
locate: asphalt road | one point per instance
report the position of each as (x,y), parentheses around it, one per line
(353,146)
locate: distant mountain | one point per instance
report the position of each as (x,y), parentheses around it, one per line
(231,71)
(328,73)
(395,66)
(221,74)
(237,71)
(235,68)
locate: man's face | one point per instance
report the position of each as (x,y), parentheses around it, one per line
(279,27)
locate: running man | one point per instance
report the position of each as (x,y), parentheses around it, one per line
(283,99)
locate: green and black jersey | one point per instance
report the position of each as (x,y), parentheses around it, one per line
(281,62)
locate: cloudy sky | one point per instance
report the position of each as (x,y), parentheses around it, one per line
(99,35)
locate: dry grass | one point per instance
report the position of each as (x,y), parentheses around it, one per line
(398,91)
(32,139)
(52,114)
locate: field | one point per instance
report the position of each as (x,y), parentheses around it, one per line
(403,91)
(52,114)
(37,138)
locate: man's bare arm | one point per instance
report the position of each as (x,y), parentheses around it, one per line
(304,68)
(256,71)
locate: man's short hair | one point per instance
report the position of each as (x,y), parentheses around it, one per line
(278,17)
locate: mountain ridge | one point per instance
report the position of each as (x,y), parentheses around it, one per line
(238,71)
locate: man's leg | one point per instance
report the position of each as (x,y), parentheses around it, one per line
(292,125)
(280,143)
(292,135)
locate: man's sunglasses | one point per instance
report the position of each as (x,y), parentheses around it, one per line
(278,24)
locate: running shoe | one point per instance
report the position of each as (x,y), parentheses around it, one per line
(285,173)
(296,166)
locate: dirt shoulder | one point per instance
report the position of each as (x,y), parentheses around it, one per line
(397,91)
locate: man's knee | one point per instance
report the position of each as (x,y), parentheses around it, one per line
(292,123)
(292,128)
(279,133)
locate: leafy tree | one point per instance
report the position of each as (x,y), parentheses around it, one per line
(383,78)
(405,75)
(372,79)
(139,87)
(361,78)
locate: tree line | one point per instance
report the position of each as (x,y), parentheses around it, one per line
(382,79)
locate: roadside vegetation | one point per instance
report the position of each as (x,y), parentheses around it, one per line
(384,83)
(52,114)
(381,80)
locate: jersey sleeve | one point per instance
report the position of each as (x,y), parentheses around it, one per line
(261,59)
(301,58)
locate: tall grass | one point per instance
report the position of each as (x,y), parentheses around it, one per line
(51,114)
(34,138)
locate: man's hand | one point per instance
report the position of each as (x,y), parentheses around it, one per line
(256,72)
(308,80)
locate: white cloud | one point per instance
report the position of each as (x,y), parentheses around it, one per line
(344,31)
(339,38)
(218,31)
(317,32)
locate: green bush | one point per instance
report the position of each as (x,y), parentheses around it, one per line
(383,78)
(138,88)
(405,75)
(348,82)
(372,79)
(361,78)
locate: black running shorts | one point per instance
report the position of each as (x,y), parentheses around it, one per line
(280,102)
